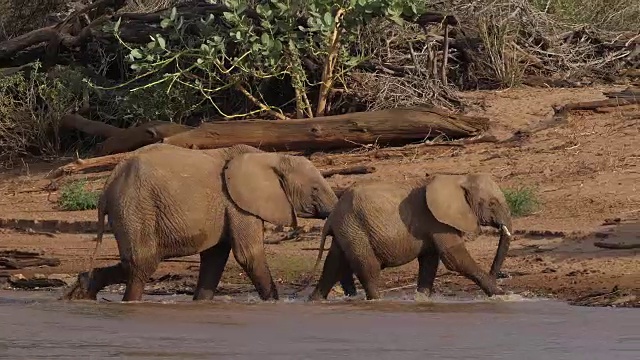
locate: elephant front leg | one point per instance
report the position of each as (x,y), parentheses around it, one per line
(347,282)
(455,257)
(212,263)
(427,269)
(248,249)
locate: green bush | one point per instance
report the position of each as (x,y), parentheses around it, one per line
(522,201)
(74,197)
(241,51)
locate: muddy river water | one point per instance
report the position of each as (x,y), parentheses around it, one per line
(35,325)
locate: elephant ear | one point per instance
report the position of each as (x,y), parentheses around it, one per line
(447,202)
(256,187)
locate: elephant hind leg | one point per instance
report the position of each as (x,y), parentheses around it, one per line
(368,272)
(455,257)
(212,263)
(137,274)
(427,268)
(335,268)
(364,263)
(88,288)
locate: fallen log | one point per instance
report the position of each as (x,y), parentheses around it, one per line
(351,170)
(628,93)
(91,127)
(385,127)
(348,130)
(37,283)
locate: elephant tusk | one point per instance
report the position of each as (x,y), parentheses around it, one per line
(505,230)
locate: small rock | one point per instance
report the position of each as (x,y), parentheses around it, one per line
(549,270)
(16,277)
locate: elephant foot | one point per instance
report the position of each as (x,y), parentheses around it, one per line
(315,296)
(498,291)
(80,289)
(425,291)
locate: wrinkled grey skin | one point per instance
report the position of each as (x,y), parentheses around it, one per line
(167,202)
(376,225)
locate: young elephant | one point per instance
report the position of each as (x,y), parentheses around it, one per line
(168,201)
(376,225)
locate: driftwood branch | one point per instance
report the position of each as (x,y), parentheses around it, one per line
(61,33)
(108,162)
(629,96)
(24,263)
(14,259)
(616,246)
(98,163)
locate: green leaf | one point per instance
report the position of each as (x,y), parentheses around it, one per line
(161,42)
(151,45)
(265,38)
(261,9)
(165,23)
(199,61)
(396,19)
(328,19)
(238,35)
(135,66)
(173,13)
(241,8)
(228,15)
(205,47)
(277,46)
(136,54)
(117,25)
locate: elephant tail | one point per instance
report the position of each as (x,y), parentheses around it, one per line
(326,230)
(102,212)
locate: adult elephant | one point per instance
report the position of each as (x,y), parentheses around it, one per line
(378,224)
(167,201)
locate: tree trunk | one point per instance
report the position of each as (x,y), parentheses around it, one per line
(91,127)
(386,127)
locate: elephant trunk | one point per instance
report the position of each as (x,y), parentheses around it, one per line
(503,246)
(327,203)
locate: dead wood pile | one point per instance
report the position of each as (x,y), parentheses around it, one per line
(484,44)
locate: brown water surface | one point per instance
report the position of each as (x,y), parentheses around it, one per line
(35,325)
